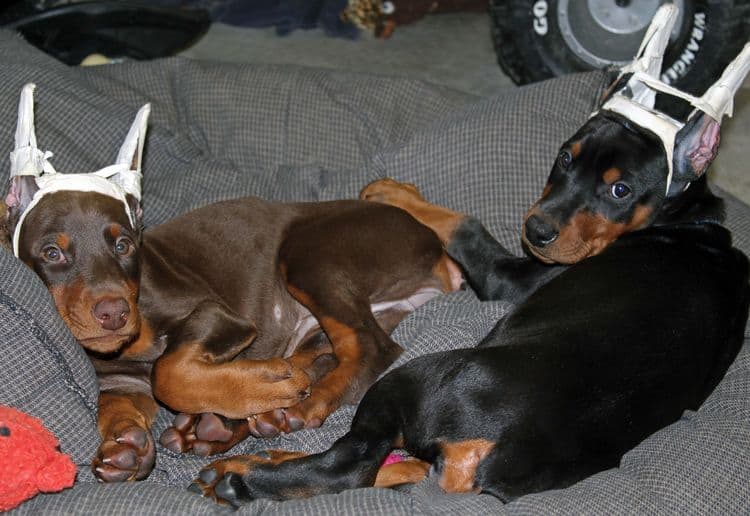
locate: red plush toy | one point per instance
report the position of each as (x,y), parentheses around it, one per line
(31,460)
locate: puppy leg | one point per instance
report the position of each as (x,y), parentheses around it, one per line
(353,461)
(406,196)
(201,372)
(127,450)
(361,348)
(491,270)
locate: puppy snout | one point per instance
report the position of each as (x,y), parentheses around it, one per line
(111,313)
(540,233)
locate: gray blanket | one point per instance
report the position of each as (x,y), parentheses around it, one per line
(222,131)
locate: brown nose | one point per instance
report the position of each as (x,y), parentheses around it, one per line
(112,313)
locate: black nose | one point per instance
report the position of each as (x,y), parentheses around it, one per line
(539,233)
(112,313)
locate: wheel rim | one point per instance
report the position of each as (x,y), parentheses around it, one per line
(606,32)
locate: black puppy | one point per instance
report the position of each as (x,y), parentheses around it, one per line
(596,356)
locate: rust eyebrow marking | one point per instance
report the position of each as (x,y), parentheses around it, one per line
(611,175)
(460,462)
(63,241)
(575,149)
(546,191)
(115,230)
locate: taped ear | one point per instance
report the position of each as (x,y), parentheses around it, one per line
(27,162)
(131,157)
(131,154)
(20,193)
(696,146)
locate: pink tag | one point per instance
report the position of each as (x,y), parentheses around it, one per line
(393,458)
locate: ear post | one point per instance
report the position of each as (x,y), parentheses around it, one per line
(650,55)
(27,162)
(719,98)
(131,154)
(26,158)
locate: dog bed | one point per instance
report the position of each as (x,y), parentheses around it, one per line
(219,131)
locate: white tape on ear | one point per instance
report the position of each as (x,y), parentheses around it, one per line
(115,181)
(635,100)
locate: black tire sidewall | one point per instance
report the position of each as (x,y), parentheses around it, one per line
(528,56)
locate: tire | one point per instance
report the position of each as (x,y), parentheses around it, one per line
(539,39)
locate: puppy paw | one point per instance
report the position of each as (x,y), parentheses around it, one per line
(389,191)
(298,417)
(203,434)
(126,454)
(228,481)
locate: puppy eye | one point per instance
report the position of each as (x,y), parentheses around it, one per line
(619,190)
(4,431)
(565,159)
(123,246)
(53,254)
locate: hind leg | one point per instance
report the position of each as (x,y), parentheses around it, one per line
(353,461)
(340,265)
(362,350)
(316,358)
(406,196)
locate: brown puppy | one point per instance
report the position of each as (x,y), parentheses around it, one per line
(247,309)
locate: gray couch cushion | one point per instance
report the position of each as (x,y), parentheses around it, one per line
(220,131)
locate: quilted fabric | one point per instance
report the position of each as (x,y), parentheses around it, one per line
(283,133)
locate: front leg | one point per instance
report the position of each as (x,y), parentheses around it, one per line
(200,371)
(127,450)
(492,271)
(223,480)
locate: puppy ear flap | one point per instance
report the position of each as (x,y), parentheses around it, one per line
(20,193)
(696,146)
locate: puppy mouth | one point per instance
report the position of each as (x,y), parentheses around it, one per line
(106,344)
(538,254)
(558,254)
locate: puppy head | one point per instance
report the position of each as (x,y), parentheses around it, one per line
(610,178)
(83,247)
(80,232)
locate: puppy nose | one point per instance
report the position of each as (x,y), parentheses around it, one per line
(540,233)
(112,313)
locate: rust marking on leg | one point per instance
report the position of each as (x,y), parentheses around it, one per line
(460,461)
(442,221)
(299,294)
(328,393)
(409,471)
(120,408)
(188,380)
(448,273)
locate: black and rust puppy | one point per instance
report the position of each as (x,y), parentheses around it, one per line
(596,356)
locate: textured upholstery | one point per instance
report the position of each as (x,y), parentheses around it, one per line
(222,131)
